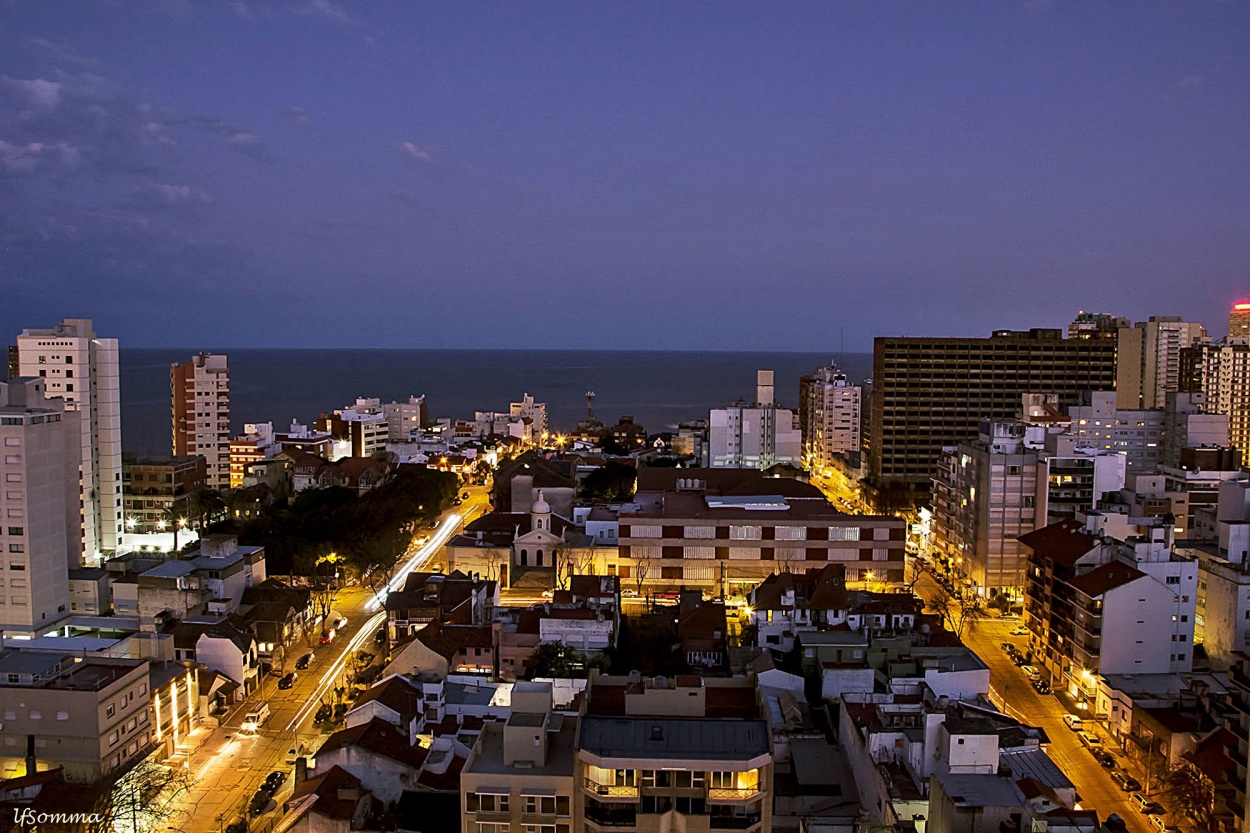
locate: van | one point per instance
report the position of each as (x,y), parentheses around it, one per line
(257,717)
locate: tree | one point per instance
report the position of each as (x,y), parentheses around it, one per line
(564,560)
(139,800)
(175,520)
(642,568)
(554,659)
(610,482)
(960,608)
(205,505)
(1192,794)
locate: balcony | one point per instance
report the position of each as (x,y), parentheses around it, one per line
(619,791)
(732,793)
(733,822)
(618,816)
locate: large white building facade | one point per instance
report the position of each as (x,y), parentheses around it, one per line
(1221,371)
(41,533)
(83,370)
(756,436)
(200,393)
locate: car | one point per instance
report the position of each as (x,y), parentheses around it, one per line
(1009,649)
(434,524)
(1091,741)
(341,623)
(1019,630)
(1041,686)
(380,636)
(457,501)
(629,593)
(1031,672)
(1073,722)
(239,826)
(323,713)
(1146,805)
(465,496)
(275,779)
(288,681)
(304,661)
(1105,759)
(1126,782)
(327,637)
(260,801)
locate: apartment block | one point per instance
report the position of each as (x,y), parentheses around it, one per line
(154,490)
(86,714)
(1186,424)
(1150,359)
(929,393)
(1239,320)
(520,773)
(40,531)
(691,746)
(1221,371)
(200,391)
(362,428)
(1097,605)
(83,369)
(704,532)
(830,414)
(256,443)
(759,435)
(405,419)
(1097,422)
(535,413)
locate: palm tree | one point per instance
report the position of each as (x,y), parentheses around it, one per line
(205,505)
(173,517)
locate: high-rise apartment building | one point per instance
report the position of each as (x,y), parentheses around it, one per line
(41,534)
(82,369)
(1150,359)
(1136,433)
(755,436)
(830,415)
(1221,371)
(1239,320)
(200,390)
(933,392)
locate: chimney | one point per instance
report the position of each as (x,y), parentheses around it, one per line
(301,769)
(30,754)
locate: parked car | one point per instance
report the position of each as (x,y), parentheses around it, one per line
(1073,722)
(239,826)
(1146,805)
(1126,782)
(465,496)
(1019,630)
(1009,649)
(275,780)
(303,662)
(1090,740)
(1105,759)
(380,636)
(327,637)
(1031,672)
(260,801)
(288,681)
(1041,686)
(1021,659)
(323,713)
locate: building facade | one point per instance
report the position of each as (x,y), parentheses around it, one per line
(157,493)
(929,393)
(1221,371)
(755,436)
(200,391)
(82,368)
(41,532)
(830,415)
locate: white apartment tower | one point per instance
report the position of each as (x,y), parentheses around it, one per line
(200,391)
(830,416)
(41,534)
(1148,364)
(1221,371)
(535,412)
(756,436)
(83,370)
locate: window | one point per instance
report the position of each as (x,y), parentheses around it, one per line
(843,533)
(62,715)
(113,736)
(16,530)
(541,805)
(745,533)
(36,715)
(1173,579)
(110,711)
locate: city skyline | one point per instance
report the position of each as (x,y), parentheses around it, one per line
(618,178)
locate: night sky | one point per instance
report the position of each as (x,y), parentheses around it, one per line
(756,176)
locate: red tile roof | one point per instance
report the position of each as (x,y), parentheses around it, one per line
(379,737)
(1104,578)
(1063,542)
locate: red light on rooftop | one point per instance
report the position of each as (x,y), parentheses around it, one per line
(1241,306)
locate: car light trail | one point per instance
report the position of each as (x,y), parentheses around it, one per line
(447,528)
(331,674)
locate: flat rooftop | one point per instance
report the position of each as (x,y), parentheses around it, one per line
(561,748)
(675,738)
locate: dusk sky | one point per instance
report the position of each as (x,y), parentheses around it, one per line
(754,176)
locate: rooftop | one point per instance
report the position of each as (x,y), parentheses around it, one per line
(675,738)
(561,747)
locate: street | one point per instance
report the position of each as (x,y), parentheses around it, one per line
(228,766)
(1015,695)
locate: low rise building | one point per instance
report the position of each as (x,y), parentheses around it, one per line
(758,435)
(88,715)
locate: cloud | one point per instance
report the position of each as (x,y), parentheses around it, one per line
(24,159)
(62,54)
(416,151)
(326,10)
(241,9)
(299,115)
(1188,83)
(37,92)
(178,193)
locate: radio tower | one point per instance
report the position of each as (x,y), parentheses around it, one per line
(590,406)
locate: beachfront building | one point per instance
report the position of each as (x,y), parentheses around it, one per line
(82,369)
(759,435)
(830,416)
(200,390)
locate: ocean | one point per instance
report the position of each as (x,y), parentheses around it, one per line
(659,389)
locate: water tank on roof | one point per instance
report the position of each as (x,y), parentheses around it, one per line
(635,677)
(661,682)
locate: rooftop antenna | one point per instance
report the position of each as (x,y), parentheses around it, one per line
(590,406)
